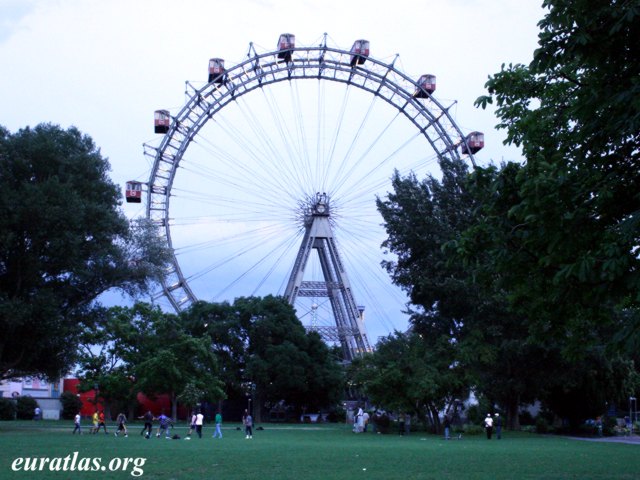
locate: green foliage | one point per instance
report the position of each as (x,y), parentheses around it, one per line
(575,110)
(260,341)
(63,242)
(458,306)
(472,429)
(7,409)
(542,425)
(25,407)
(407,374)
(140,348)
(71,404)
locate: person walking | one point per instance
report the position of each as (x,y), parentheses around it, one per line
(192,426)
(199,423)
(497,423)
(121,420)
(358,425)
(148,424)
(247,420)
(218,432)
(76,423)
(488,425)
(95,421)
(447,427)
(164,426)
(101,423)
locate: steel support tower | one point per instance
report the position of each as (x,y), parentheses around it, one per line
(349,329)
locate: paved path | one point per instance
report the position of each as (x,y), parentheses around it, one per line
(633,439)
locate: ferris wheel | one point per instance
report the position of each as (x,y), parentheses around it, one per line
(282,140)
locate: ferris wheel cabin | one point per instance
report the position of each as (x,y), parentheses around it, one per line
(161,121)
(286,44)
(474,142)
(359,52)
(133,192)
(426,86)
(216,70)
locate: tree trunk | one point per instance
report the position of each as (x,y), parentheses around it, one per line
(257,406)
(174,407)
(513,419)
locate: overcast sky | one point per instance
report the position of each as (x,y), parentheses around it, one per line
(105,66)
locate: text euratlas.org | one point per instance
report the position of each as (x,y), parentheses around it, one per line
(74,463)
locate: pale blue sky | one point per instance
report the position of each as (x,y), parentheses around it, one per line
(105,66)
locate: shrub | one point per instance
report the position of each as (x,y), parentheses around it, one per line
(474,415)
(525,418)
(381,421)
(71,404)
(25,407)
(7,409)
(542,425)
(471,429)
(337,415)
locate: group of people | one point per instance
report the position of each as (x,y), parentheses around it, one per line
(165,424)
(360,421)
(490,423)
(98,422)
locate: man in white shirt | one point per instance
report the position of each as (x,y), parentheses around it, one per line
(199,422)
(488,425)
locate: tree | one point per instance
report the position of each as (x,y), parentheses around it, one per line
(267,354)
(408,374)
(71,405)
(63,242)
(283,360)
(575,212)
(100,364)
(454,302)
(142,349)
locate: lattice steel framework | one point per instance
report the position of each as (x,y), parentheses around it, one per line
(349,330)
(430,118)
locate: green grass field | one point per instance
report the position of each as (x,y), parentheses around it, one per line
(283,452)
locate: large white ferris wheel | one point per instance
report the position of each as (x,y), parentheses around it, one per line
(265,181)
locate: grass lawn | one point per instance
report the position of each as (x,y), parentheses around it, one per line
(282,452)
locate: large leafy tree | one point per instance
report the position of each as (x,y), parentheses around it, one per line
(452,303)
(63,242)
(142,349)
(575,209)
(412,374)
(266,353)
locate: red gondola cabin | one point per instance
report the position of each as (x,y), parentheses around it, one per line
(426,86)
(474,141)
(216,70)
(286,44)
(133,192)
(161,120)
(359,52)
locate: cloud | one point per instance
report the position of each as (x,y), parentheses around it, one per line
(12,13)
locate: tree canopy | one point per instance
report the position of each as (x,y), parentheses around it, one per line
(574,205)
(63,242)
(265,352)
(532,269)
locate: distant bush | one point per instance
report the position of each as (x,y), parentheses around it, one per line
(542,425)
(25,407)
(7,409)
(71,404)
(472,429)
(608,426)
(381,421)
(474,415)
(337,415)
(525,418)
